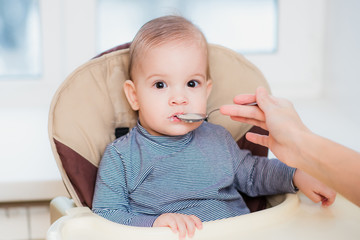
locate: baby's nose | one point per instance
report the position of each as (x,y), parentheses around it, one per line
(178,100)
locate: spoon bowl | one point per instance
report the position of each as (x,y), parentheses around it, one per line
(192,117)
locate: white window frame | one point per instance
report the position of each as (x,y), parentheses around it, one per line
(63,49)
(69,40)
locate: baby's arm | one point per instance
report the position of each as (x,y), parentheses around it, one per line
(313,188)
(179,223)
(111,199)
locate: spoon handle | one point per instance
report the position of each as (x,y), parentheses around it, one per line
(251,104)
(217,109)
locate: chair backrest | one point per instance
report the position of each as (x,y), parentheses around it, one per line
(90,104)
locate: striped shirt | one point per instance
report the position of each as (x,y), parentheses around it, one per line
(201,173)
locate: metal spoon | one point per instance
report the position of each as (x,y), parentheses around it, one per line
(197,117)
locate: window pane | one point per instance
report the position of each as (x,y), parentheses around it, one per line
(19,38)
(247,26)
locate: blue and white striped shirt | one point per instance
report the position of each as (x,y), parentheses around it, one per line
(142,176)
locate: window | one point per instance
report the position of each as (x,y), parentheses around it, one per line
(20,53)
(246,26)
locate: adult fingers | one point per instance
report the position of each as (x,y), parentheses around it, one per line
(244,99)
(250,112)
(258,139)
(267,102)
(263,99)
(250,121)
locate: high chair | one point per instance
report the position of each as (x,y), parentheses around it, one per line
(90,110)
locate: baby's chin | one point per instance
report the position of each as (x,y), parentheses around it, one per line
(183,129)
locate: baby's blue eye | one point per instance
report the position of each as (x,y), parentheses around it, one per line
(192,83)
(160,85)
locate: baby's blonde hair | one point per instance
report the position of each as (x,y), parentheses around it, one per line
(163,30)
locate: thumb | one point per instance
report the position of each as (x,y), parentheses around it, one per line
(262,98)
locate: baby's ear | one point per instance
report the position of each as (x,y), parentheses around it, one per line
(130,92)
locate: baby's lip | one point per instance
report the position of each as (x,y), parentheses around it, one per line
(176,114)
(174,117)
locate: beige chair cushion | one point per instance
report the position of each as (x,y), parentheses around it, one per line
(90,104)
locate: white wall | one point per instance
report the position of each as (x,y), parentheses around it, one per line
(296,69)
(319,52)
(342,55)
(68,40)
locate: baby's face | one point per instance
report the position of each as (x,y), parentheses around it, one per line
(170,80)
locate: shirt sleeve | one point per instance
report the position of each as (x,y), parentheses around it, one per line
(256,176)
(111,196)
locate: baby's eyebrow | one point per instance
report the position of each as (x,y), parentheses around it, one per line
(199,75)
(156,75)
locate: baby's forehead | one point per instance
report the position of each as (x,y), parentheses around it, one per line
(150,52)
(174,44)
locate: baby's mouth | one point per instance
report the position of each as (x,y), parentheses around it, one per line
(174,117)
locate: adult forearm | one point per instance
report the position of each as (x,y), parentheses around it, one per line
(332,163)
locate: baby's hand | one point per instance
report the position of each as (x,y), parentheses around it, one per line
(179,223)
(313,188)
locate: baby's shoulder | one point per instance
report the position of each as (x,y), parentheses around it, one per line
(124,141)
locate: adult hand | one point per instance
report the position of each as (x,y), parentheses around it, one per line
(292,142)
(276,115)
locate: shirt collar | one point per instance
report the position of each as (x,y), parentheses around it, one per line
(177,142)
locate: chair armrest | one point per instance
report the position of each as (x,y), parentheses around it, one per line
(59,207)
(81,223)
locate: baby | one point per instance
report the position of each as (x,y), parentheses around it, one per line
(169,173)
